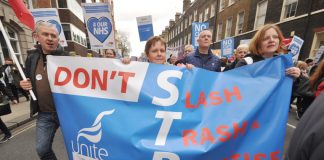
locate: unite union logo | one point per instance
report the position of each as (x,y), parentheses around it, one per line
(93,134)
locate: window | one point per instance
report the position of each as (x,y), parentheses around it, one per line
(190,19)
(206,14)
(62,3)
(228,27)
(221,5)
(189,38)
(67,31)
(200,17)
(239,23)
(230,2)
(13,38)
(261,14)
(219,31)
(289,8)
(212,10)
(195,15)
(186,23)
(181,27)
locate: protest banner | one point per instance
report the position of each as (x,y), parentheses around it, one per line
(50,15)
(197,27)
(145,27)
(142,111)
(227,47)
(99,25)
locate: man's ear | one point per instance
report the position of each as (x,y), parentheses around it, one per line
(35,36)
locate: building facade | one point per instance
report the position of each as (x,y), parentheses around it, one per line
(20,36)
(240,19)
(178,32)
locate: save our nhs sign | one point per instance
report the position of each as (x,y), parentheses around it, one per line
(197,27)
(227,47)
(145,27)
(50,15)
(144,111)
(98,20)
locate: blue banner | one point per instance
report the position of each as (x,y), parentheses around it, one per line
(145,111)
(197,27)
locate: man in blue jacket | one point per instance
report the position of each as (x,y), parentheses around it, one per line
(203,57)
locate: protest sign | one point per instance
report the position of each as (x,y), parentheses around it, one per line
(99,25)
(145,27)
(109,110)
(295,47)
(50,15)
(197,27)
(227,47)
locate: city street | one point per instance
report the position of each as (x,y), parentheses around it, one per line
(22,145)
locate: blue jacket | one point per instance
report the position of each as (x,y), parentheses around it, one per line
(212,62)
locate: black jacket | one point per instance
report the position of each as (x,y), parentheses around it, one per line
(307,143)
(31,64)
(255,57)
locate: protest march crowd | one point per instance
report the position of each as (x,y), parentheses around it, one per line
(308,83)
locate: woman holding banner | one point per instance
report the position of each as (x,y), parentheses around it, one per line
(155,50)
(267,43)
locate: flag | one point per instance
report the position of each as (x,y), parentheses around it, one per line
(22,13)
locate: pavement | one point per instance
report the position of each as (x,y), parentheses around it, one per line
(20,114)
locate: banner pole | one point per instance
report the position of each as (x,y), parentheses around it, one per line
(14,58)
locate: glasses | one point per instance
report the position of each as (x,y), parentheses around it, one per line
(187,51)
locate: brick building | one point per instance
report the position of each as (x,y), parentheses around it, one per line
(179,30)
(241,19)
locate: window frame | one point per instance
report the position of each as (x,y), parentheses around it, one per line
(228,31)
(284,9)
(237,23)
(257,15)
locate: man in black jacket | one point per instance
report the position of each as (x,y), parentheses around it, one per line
(307,142)
(47,122)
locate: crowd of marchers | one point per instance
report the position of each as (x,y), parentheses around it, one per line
(267,43)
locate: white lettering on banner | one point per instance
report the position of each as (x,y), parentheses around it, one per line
(163,82)
(103,78)
(100,31)
(168,118)
(163,155)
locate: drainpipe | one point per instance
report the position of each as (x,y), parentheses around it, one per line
(215,22)
(310,6)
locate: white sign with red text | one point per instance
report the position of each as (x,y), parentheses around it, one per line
(117,81)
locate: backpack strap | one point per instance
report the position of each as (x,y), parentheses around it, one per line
(248,60)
